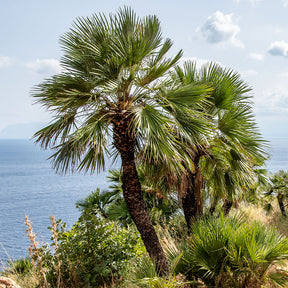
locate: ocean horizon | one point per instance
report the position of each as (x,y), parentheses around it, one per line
(29,186)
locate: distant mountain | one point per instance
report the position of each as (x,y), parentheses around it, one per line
(21,131)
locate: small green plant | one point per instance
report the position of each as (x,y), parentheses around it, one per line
(232,252)
(144,275)
(20,266)
(22,272)
(158,282)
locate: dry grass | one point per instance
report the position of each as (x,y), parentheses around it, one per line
(272,219)
(29,280)
(35,277)
(35,253)
(57,266)
(3,266)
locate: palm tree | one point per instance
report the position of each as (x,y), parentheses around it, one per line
(279,186)
(112,99)
(224,161)
(234,252)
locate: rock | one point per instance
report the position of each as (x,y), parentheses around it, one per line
(8,283)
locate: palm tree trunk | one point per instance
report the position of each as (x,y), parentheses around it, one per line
(281,204)
(213,206)
(227,206)
(199,196)
(189,200)
(192,200)
(133,196)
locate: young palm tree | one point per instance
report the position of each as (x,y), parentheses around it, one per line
(279,186)
(113,93)
(225,159)
(235,252)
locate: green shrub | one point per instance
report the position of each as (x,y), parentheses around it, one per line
(158,282)
(19,266)
(232,252)
(144,275)
(94,253)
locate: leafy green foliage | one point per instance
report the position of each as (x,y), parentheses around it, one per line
(232,252)
(94,253)
(228,155)
(158,282)
(144,275)
(19,266)
(115,68)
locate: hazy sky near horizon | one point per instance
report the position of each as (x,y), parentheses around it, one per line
(249,36)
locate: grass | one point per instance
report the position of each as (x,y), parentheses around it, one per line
(272,219)
(24,271)
(20,271)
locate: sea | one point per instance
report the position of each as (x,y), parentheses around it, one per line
(29,186)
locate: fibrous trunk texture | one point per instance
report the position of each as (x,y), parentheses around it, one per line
(125,144)
(227,206)
(191,194)
(281,204)
(189,200)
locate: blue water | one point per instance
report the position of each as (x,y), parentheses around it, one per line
(28,186)
(279,154)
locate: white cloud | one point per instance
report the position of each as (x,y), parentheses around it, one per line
(285,3)
(278,48)
(284,75)
(5,61)
(256,56)
(44,66)
(272,102)
(199,61)
(249,73)
(253,2)
(221,28)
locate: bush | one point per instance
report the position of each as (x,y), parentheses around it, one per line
(94,253)
(144,275)
(231,252)
(19,266)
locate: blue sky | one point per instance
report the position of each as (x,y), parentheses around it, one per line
(249,36)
